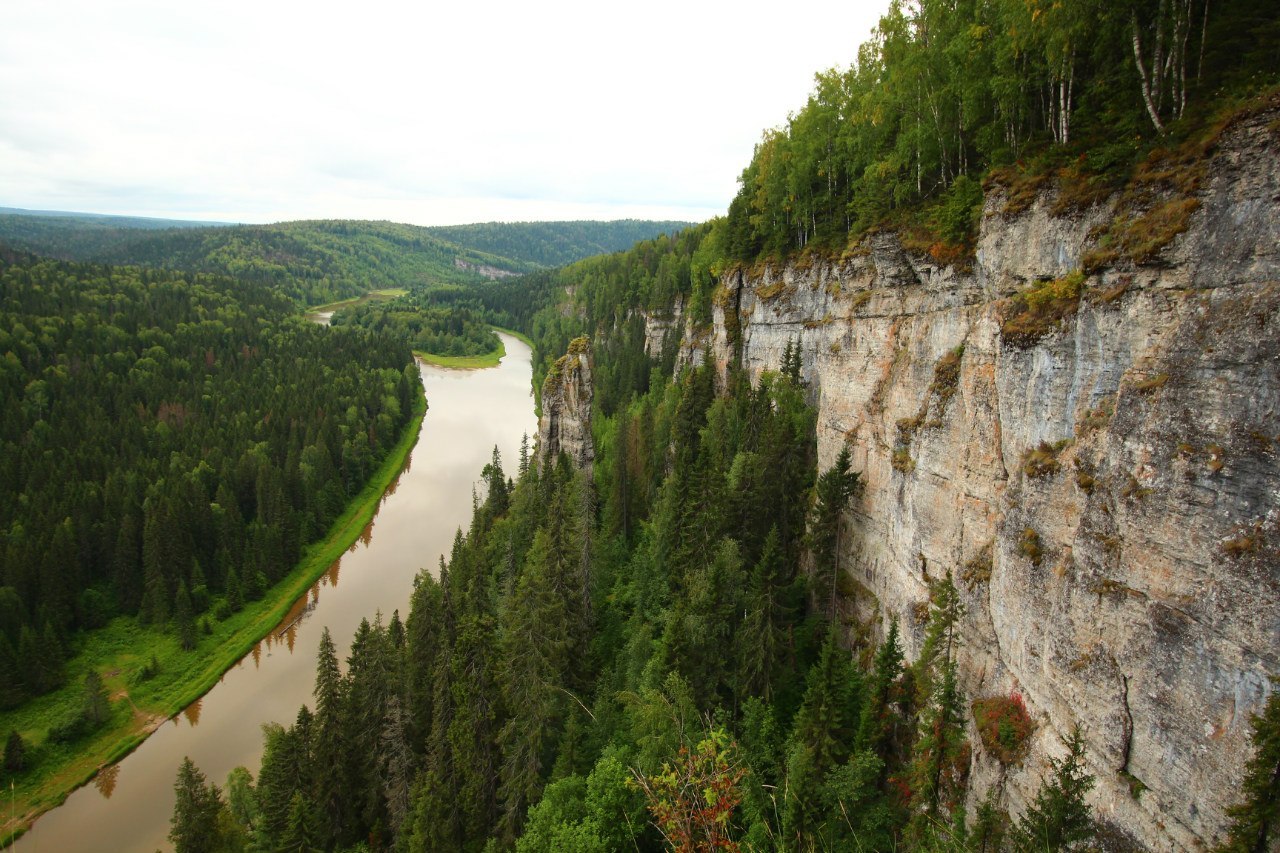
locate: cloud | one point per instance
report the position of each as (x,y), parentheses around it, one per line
(430,113)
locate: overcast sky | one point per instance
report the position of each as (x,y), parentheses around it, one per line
(426,112)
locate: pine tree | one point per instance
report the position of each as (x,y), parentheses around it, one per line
(1059,816)
(1255,822)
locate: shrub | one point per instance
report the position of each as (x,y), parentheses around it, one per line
(1039,309)
(1029,546)
(1004,726)
(1042,461)
(978,569)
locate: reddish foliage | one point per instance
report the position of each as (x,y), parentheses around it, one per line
(693,800)
(1004,726)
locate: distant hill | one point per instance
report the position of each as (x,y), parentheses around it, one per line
(113,220)
(554,244)
(317,261)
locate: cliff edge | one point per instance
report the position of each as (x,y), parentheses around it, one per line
(1083,428)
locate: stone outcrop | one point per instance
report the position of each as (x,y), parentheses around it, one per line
(1105,488)
(565,423)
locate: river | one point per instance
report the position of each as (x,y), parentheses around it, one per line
(128,806)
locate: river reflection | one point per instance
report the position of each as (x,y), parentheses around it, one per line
(128,807)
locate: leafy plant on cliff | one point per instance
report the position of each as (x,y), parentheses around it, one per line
(1040,309)
(1004,726)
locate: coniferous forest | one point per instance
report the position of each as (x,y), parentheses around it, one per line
(171,440)
(640,654)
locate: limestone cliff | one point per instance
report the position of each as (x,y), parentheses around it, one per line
(565,423)
(1095,461)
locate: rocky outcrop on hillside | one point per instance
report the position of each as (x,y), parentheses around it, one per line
(565,423)
(1094,456)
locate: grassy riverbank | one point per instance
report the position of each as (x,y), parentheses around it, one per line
(385,293)
(122,651)
(489,359)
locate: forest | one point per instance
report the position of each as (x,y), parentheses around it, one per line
(428,321)
(554,244)
(317,262)
(644,656)
(172,441)
(949,94)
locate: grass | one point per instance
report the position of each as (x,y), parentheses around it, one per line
(372,295)
(471,362)
(120,650)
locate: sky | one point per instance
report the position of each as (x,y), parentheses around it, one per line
(431,113)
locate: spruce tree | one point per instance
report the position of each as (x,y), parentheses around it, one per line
(15,753)
(194,827)
(329,743)
(879,721)
(302,832)
(95,707)
(183,619)
(1255,822)
(762,636)
(835,487)
(1059,817)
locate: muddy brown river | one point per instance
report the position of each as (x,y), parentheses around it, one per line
(128,806)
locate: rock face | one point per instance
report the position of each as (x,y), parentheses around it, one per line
(565,424)
(1106,491)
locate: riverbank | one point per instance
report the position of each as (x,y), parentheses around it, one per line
(123,649)
(489,359)
(384,293)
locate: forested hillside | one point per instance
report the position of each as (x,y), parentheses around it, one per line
(554,244)
(649,653)
(169,443)
(944,91)
(312,262)
(443,322)
(318,261)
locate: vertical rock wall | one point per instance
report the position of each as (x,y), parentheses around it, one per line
(1107,496)
(565,424)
